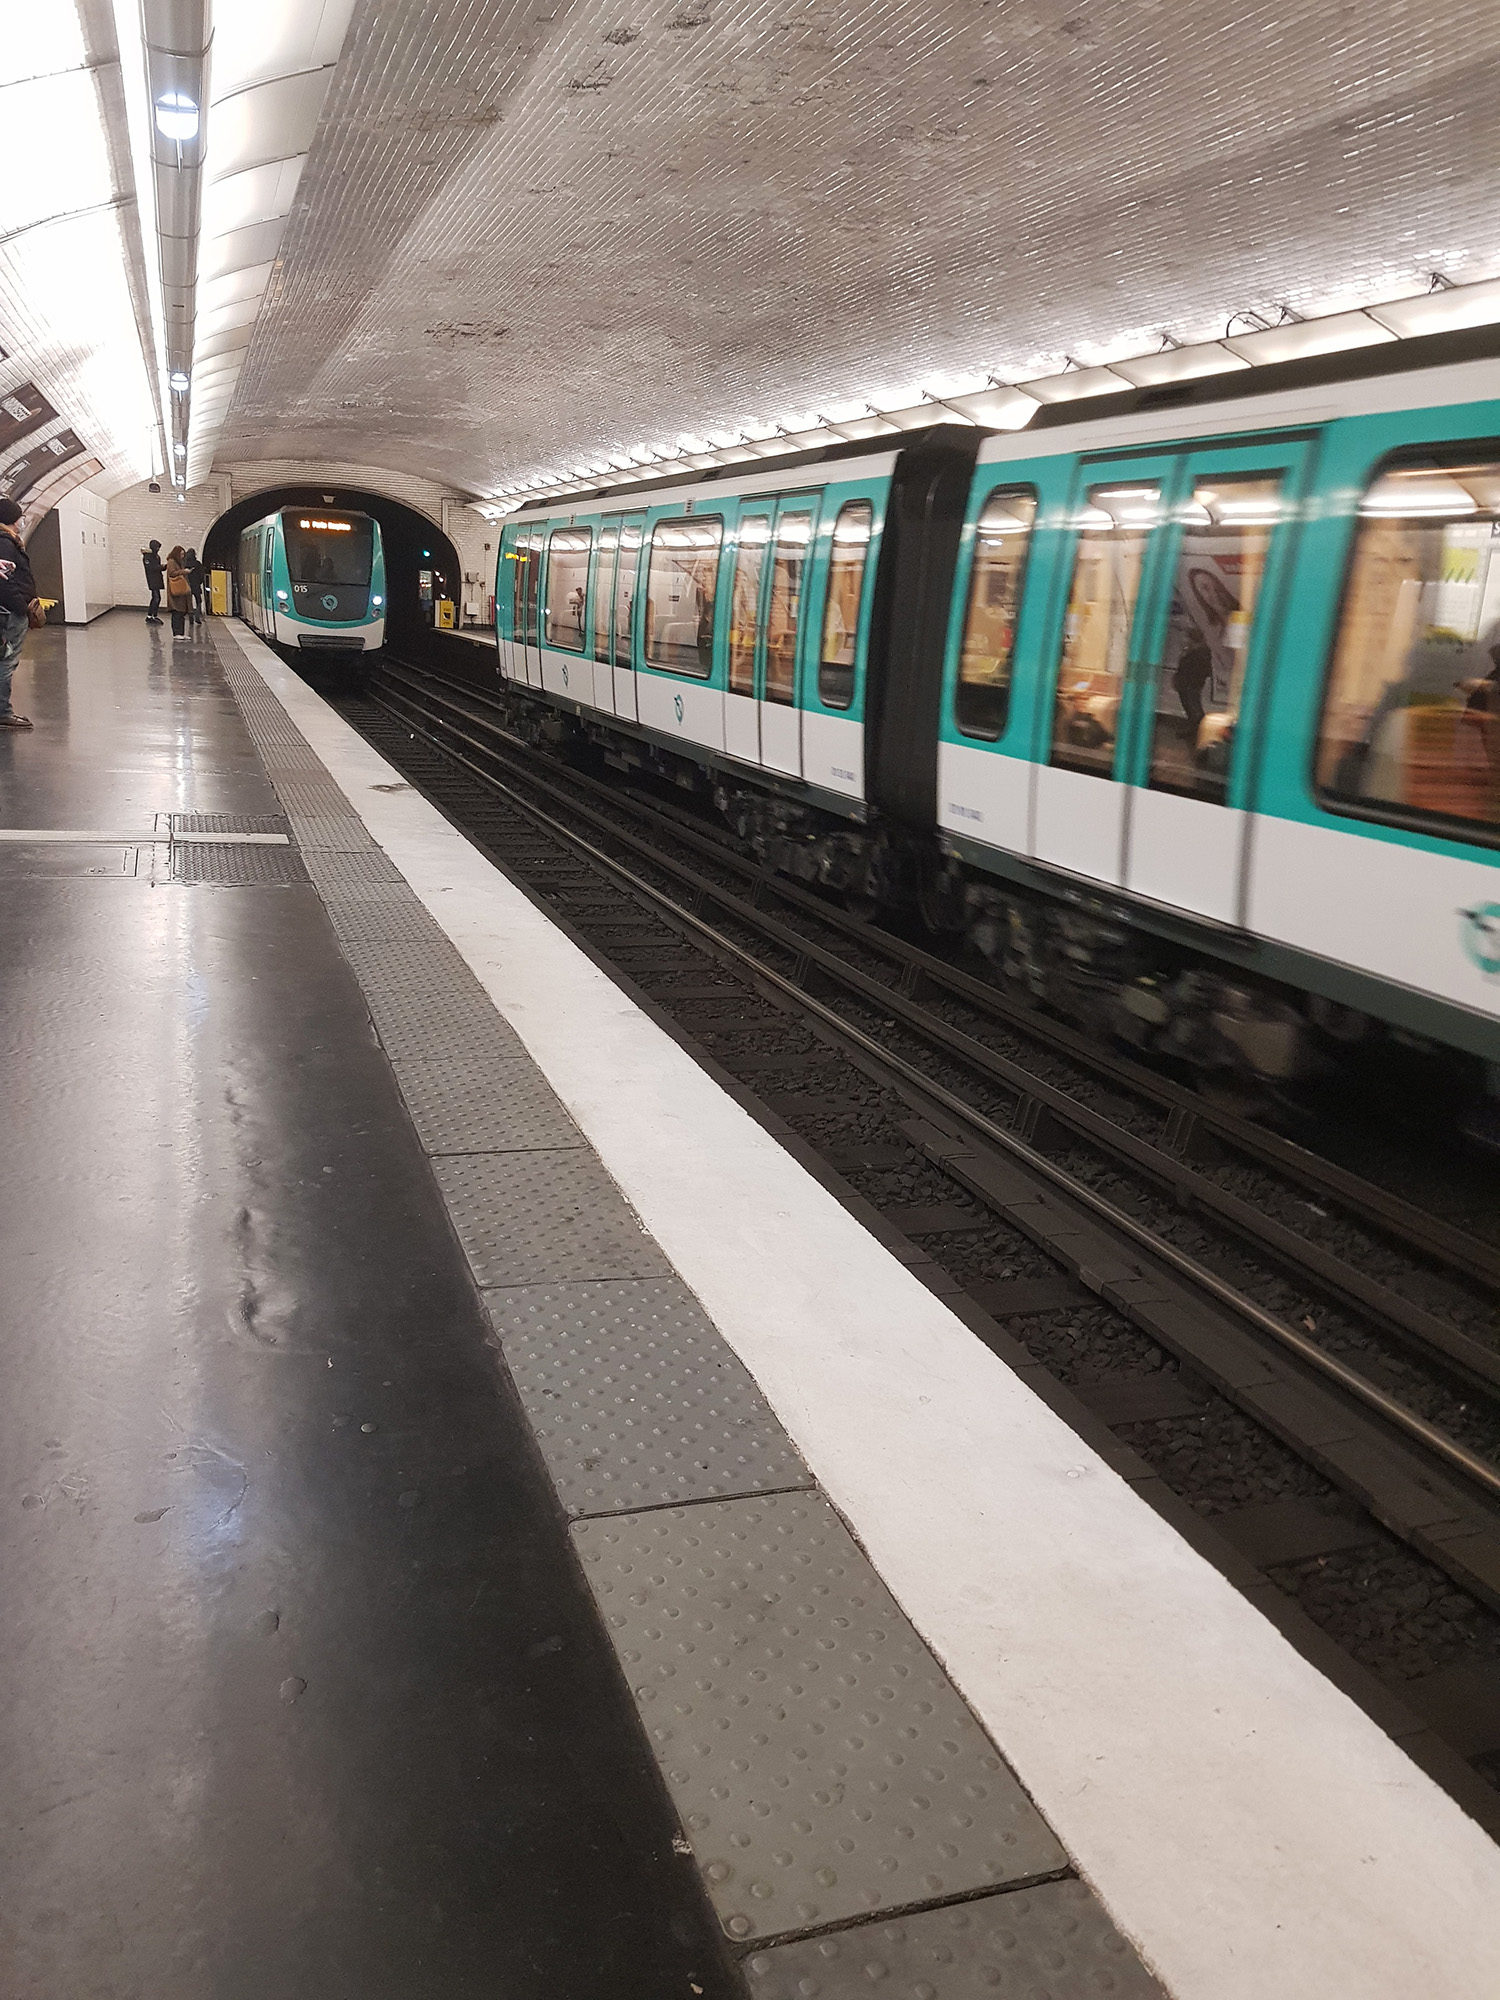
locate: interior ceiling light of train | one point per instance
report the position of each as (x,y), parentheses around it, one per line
(533,240)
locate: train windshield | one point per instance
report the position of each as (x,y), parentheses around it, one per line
(328,548)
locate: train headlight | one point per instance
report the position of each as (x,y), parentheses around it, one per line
(377,600)
(282,595)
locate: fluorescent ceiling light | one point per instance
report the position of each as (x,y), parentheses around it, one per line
(177,117)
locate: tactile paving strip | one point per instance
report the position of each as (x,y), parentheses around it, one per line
(314,797)
(336,832)
(635,1398)
(337,869)
(525,1218)
(824,1765)
(474,1106)
(1053,1942)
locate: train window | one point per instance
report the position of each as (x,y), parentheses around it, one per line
(1226,538)
(744,603)
(788,567)
(681,588)
(846,579)
(328,548)
(1411,715)
(568,552)
(626,564)
(1002,538)
(1114,530)
(604,589)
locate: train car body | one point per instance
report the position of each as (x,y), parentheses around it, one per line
(1184,705)
(313,579)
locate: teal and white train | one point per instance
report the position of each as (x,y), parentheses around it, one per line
(1184,704)
(313,578)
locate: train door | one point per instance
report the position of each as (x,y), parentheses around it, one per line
(511,579)
(1112,618)
(1187,750)
(268,580)
(627,569)
(781,634)
(602,636)
(741,707)
(531,547)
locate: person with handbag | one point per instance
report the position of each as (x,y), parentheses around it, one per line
(179,589)
(20,607)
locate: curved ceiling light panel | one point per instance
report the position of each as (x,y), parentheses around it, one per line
(272,63)
(228,100)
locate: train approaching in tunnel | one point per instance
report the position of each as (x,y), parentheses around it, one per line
(313,578)
(1184,707)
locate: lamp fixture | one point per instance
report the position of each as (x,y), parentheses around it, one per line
(177,117)
(178,380)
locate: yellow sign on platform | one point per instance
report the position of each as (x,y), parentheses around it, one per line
(445,610)
(218,592)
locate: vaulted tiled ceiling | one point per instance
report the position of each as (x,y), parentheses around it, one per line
(531,233)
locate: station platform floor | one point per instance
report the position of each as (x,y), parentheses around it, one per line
(481,1520)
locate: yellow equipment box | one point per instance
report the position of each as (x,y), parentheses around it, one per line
(445,608)
(218,592)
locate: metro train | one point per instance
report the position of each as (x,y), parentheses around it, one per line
(1182,704)
(313,578)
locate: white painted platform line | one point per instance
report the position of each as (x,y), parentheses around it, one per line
(1252,1831)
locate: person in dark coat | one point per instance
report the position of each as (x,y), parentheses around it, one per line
(195,584)
(20,607)
(151,562)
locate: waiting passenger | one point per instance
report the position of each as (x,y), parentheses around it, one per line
(179,589)
(20,608)
(195,584)
(151,563)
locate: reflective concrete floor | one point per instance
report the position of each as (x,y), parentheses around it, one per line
(300,1697)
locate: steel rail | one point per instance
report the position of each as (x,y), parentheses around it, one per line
(1426,1236)
(1427,1335)
(1477,1470)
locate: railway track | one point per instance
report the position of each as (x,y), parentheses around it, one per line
(1299,1366)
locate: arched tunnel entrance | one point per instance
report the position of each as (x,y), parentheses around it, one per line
(412,544)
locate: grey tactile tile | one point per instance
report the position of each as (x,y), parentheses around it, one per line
(824,1765)
(476,1104)
(524,1218)
(426,1027)
(369,914)
(336,832)
(339,869)
(636,1399)
(314,797)
(1053,1942)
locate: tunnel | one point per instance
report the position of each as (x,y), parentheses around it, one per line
(412,544)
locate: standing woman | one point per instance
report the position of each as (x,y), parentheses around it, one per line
(194,570)
(179,589)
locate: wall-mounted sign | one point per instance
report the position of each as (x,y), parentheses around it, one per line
(21,411)
(18,478)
